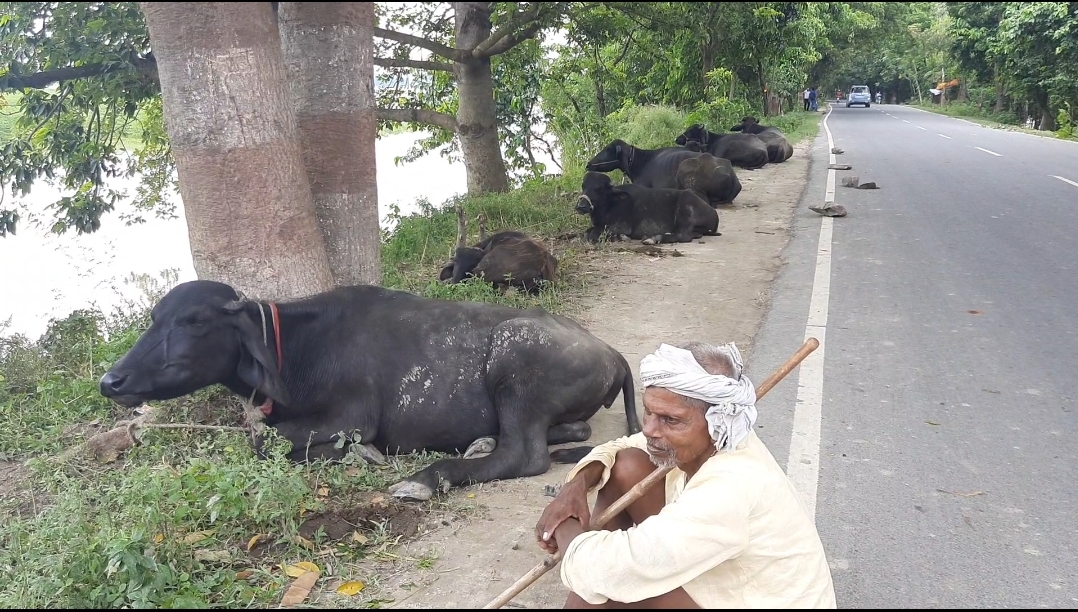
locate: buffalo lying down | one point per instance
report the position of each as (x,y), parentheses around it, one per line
(408,373)
(660,168)
(778,148)
(644,213)
(505,259)
(743,150)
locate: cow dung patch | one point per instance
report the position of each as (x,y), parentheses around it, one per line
(342,517)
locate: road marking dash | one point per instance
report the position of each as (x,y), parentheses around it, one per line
(921,128)
(988,152)
(1054,176)
(905,121)
(944,136)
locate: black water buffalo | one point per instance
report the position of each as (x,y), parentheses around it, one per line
(743,150)
(660,168)
(778,148)
(405,372)
(504,259)
(653,215)
(705,175)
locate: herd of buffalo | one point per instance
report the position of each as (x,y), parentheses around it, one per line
(393,372)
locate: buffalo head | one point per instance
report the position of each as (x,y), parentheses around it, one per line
(746,122)
(598,194)
(613,157)
(695,134)
(202,333)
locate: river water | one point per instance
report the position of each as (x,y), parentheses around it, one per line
(43,275)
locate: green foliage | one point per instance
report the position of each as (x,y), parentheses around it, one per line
(82,131)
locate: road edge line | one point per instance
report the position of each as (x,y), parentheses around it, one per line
(803,462)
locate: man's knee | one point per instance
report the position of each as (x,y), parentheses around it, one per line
(631,465)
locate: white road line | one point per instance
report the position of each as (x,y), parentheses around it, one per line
(947,137)
(921,128)
(988,152)
(905,121)
(1051,175)
(803,464)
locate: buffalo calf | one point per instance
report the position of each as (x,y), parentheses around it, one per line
(506,259)
(643,213)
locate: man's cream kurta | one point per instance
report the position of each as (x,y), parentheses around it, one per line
(737,535)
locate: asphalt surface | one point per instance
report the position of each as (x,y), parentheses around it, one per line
(948,472)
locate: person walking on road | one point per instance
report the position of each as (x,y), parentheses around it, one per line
(807,105)
(812,99)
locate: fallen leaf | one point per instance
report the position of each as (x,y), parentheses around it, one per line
(296,570)
(304,542)
(197,536)
(932,423)
(214,556)
(974,312)
(359,538)
(323,491)
(244,575)
(255,541)
(351,588)
(471,496)
(352,471)
(157,539)
(300,589)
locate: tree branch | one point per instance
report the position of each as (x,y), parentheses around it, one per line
(146,66)
(418,115)
(509,42)
(438,49)
(388,62)
(517,20)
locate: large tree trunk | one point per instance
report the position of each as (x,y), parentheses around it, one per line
(999,89)
(477,121)
(328,48)
(233,132)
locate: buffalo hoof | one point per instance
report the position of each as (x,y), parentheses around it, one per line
(406,490)
(481,448)
(370,454)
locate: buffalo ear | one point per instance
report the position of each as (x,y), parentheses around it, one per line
(257,367)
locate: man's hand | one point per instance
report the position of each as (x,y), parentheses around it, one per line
(571,502)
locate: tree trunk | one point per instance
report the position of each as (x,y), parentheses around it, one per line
(328,48)
(233,133)
(999,88)
(1048,120)
(477,121)
(763,85)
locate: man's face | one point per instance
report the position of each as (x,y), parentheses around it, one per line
(677,433)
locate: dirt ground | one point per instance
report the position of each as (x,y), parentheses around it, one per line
(716,291)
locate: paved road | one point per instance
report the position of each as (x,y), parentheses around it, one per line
(948,459)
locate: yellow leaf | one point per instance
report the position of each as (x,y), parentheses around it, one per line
(471,496)
(298,569)
(255,541)
(304,542)
(244,575)
(351,588)
(323,491)
(157,539)
(300,589)
(197,536)
(359,538)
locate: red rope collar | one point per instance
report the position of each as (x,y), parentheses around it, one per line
(267,406)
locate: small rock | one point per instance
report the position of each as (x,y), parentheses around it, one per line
(850,181)
(867,186)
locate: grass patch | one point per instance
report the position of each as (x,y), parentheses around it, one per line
(1001,121)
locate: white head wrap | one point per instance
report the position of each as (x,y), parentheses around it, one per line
(732,401)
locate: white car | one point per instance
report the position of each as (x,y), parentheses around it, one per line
(859,95)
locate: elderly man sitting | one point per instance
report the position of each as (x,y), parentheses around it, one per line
(728,531)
